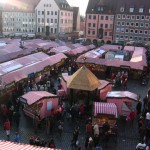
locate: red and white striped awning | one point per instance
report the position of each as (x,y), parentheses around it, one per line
(105,108)
(5,145)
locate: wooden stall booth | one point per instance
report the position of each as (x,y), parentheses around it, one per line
(105,112)
(39,102)
(124,100)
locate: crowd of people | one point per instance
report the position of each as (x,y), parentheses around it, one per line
(143,115)
(120,79)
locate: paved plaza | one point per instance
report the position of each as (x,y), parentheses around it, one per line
(126,140)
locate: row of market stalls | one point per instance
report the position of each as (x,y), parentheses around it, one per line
(36,45)
(32,65)
(101,59)
(74,50)
(110,105)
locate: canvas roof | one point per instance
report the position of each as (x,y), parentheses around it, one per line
(83,79)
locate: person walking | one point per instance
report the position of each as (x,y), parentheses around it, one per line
(7,128)
(17,138)
(96,129)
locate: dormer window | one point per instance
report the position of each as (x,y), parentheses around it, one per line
(131,9)
(121,9)
(100,8)
(141,10)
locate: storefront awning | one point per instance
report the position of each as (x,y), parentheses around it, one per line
(105,108)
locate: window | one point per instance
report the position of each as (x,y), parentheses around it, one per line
(137,17)
(131,31)
(127,30)
(89,24)
(94,25)
(141,10)
(117,36)
(47,12)
(123,16)
(42,29)
(105,33)
(118,16)
(94,17)
(93,32)
(38,20)
(61,13)
(38,12)
(51,30)
(118,29)
(55,12)
(55,20)
(136,24)
(136,31)
(127,23)
(106,25)
(100,8)
(130,37)
(145,32)
(102,17)
(111,17)
(145,39)
(42,12)
(101,25)
(55,30)
(147,17)
(111,26)
(132,17)
(118,23)
(89,32)
(122,30)
(128,17)
(131,9)
(110,33)
(47,20)
(38,29)
(147,25)
(126,37)
(106,18)
(132,24)
(141,32)
(42,20)
(121,37)
(123,23)
(89,16)
(140,38)
(141,24)
(142,17)
(61,21)
(51,12)
(121,9)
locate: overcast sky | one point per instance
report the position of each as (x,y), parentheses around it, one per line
(82,4)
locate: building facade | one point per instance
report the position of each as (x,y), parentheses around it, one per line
(132,21)
(0,20)
(118,20)
(100,16)
(41,17)
(18,20)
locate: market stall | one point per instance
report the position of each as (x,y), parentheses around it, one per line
(105,112)
(103,89)
(124,100)
(39,102)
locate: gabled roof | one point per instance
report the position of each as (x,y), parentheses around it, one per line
(20,5)
(109,6)
(63,5)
